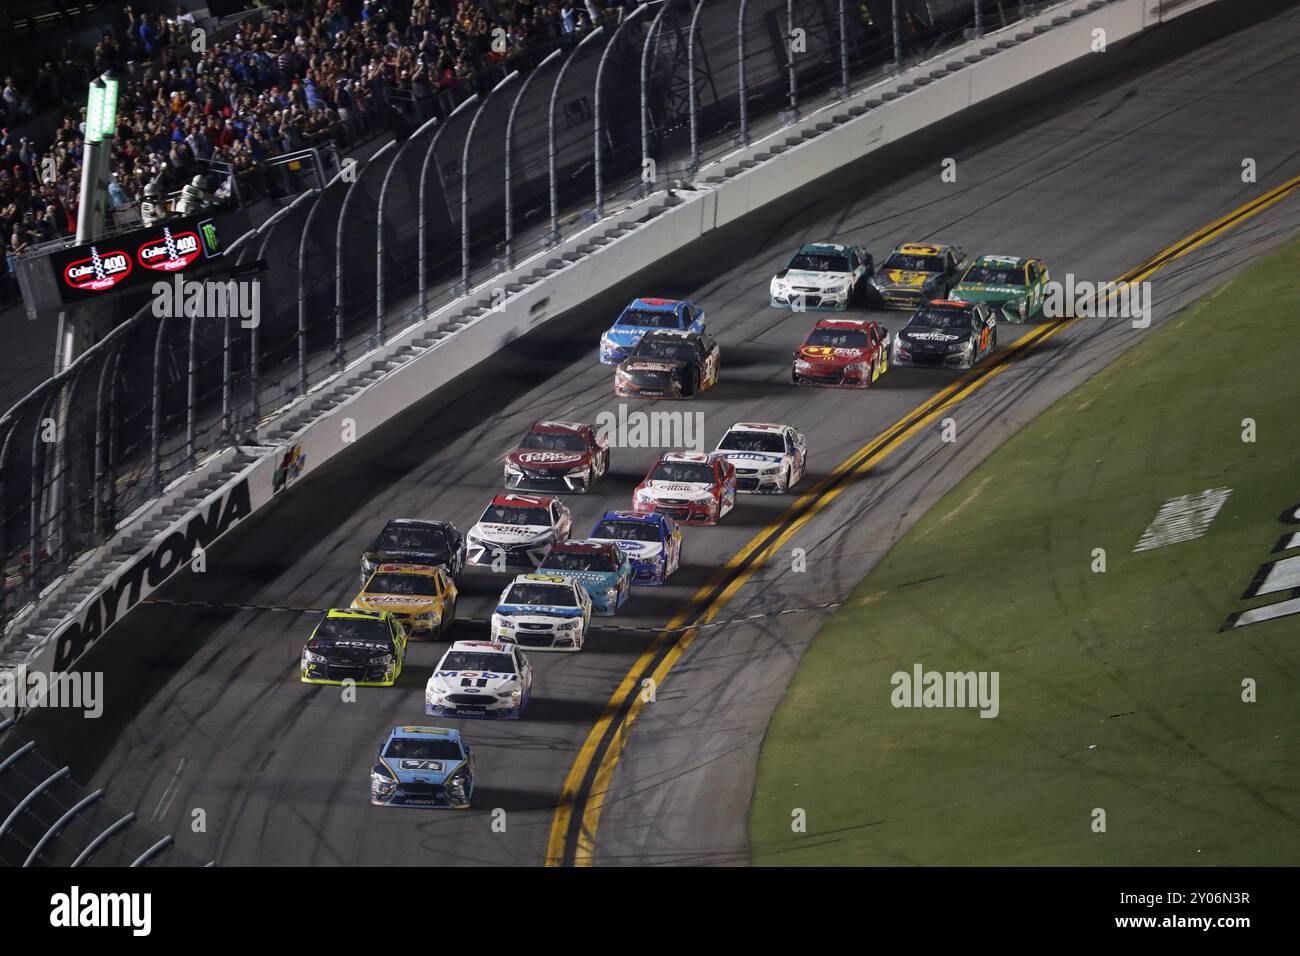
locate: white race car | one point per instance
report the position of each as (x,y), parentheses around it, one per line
(543,612)
(517,530)
(480,679)
(769,459)
(821,277)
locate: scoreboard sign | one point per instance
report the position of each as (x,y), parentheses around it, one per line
(133,259)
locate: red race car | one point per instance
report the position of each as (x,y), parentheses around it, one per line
(842,353)
(688,487)
(558,456)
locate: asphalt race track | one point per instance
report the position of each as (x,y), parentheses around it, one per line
(204,708)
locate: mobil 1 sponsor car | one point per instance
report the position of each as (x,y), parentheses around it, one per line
(652,542)
(518,529)
(423,767)
(558,456)
(648,315)
(599,566)
(769,458)
(543,612)
(480,679)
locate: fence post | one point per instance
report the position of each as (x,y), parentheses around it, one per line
(789,56)
(38,493)
(464,179)
(645,92)
(844,53)
(191,390)
(979,19)
(740,63)
(424,175)
(510,130)
(690,69)
(600,73)
(898,37)
(379,232)
(550,130)
(155,426)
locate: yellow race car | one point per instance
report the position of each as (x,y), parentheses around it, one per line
(365,647)
(421,597)
(915,273)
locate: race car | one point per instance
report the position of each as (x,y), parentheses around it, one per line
(669,365)
(769,459)
(915,272)
(365,647)
(647,315)
(947,334)
(423,767)
(652,542)
(558,456)
(842,353)
(599,566)
(689,487)
(1014,286)
(821,277)
(543,612)
(518,530)
(480,679)
(422,597)
(415,541)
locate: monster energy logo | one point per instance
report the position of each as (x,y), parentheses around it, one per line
(208,231)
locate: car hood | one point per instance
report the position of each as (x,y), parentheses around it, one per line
(819,279)
(512,533)
(825,355)
(409,556)
(533,458)
(932,335)
(626,334)
(677,489)
(635,366)
(747,458)
(987,293)
(538,610)
(589,579)
(397,603)
(422,770)
(905,279)
(490,682)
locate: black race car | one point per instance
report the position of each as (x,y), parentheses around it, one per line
(413,541)
(667,364)
(946,334)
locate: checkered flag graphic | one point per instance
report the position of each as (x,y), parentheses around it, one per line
(171,244)
(97,263)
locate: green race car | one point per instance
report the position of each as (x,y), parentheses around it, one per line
(1013,286)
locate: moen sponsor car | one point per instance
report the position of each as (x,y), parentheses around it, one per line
(170,253)
(652,542)
(558,456)
(1014,286)
(480,679)
(947,334)
(543,612)
(915,272)
(365,647)
(421,597)
(599,566)
(768,458)
(99,271)
(517,530)
(648,315)
(688,487)
(423,767)
(820,277)
(842,353)
(415,541)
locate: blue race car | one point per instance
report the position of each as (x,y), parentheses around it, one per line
(647,315)
(423,767)
(602,567)
(652,542)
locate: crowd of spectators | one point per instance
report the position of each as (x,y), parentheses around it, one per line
(301,73)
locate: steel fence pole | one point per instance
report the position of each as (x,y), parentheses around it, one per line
(4,513)
(740,65)
(979,19)
(789,57)
(464,178)
(645,91)
(227,385)
(898,36)
(101,425)
(690,69)
(155,418)
(424,175)
(510,131)
(844,52)
(600,73)
(550,131)
(379,233)
(307,231)
(191,389)
(37,495)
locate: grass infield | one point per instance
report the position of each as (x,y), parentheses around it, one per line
(1117,690)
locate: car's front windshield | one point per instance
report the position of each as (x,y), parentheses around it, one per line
(412,748)
(691,472)
(546,595)
(938,317)
(553,441)
(508,514)
(409,538)
(773,442)
(838,338)
(819,262)
(913,263)
(672,350)
(994,275)
(627,530)
(414,585)
(650,319)
(493,661)
(594,560)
